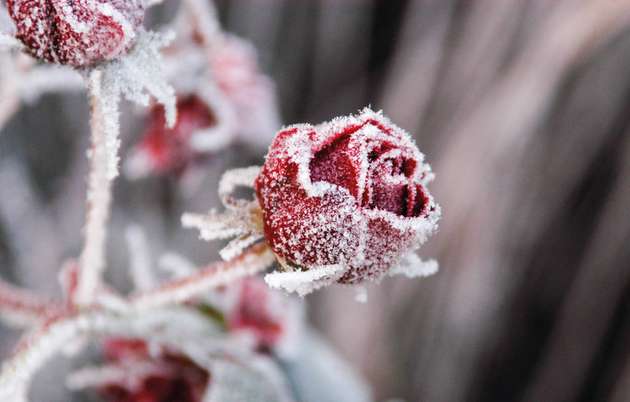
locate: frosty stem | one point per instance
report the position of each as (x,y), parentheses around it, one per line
(256,259)
(99,192)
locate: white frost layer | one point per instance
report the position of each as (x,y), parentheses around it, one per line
(411,266)
(304,282)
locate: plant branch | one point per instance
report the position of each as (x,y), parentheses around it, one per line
(104,134)
(254,260)
(21,307)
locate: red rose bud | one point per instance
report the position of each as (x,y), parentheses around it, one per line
(260,311)
(168,150)
(79,33)
(151,378)
(351,192)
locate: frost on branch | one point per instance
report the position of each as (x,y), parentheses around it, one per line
(255,260)
(20,307)
(136,76)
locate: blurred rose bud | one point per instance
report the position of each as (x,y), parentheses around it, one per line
(270,316)
(351,192)
(79,33)
(151,377)
(234,66)
(199,131)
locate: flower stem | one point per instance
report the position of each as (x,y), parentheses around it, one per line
(256,259)
(102,155)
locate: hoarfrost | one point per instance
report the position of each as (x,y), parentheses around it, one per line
(411,266)
(304,282)
(138,76)
(241,220)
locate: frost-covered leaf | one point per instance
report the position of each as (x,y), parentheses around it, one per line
(411,266)
(304,282)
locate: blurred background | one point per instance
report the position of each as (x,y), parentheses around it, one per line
(523,110)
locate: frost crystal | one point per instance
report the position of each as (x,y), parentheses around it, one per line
(411,266)
(304,282)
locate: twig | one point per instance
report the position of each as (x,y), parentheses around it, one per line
(21,307)
(254,260)
(99,194)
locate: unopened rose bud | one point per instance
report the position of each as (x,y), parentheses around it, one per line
(351,192)
(79,33)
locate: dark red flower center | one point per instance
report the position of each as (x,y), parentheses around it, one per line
(390,183)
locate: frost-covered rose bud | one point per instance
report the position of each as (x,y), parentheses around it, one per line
(349,193)
(79,33)
(165,150)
